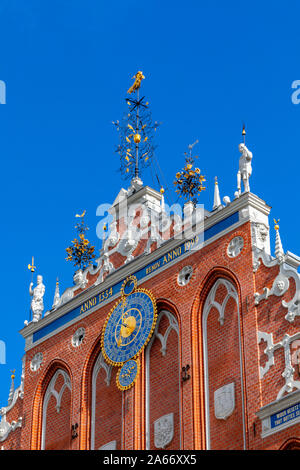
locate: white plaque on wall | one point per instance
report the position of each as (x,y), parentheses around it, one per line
(163,430)
(224,401)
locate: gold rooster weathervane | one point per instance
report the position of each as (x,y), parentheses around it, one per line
(137,83)
(136,132)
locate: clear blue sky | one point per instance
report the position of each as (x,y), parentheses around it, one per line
(209,67)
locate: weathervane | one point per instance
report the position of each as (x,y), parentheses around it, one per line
(189,181)
(136,133)
(81,252)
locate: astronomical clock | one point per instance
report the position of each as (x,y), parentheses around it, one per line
(127,330)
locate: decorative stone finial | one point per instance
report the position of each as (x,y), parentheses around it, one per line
(56,295)
(217,200)
(162,203)
(12,387)
(279,253)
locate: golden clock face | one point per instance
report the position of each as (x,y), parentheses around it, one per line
(129,326)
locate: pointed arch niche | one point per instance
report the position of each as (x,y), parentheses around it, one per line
(56,423)
(223,371)
(163,385)
(106,412)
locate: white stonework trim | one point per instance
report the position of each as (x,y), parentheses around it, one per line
(244,201)
(209,303)
(57,395)
(173,325)
(6,428)
(288,373)
(114,278)
(99,364)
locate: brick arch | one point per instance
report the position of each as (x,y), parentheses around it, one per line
(86,394)
(166,311)
(37,408)
(291,444)
(207,283)
(87,435)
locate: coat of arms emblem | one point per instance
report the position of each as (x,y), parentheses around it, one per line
(163,430)
(224,401)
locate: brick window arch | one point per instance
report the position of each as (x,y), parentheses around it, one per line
(56,422)
(163,384)
(291,444)
(106,407)
(222,368)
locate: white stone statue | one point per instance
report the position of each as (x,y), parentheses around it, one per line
(37,294)
(245,168)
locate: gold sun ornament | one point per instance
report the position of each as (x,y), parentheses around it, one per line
(189,181)
(81,252)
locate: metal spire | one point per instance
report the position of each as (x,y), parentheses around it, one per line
(136,132)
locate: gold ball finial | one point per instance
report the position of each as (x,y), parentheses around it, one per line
(137,138)
(276,222)
(162,190)
(244,130)
(105,228)
(13,374)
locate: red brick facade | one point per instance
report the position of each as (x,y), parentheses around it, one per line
(217,336)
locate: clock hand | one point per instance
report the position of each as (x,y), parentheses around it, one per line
(119,342)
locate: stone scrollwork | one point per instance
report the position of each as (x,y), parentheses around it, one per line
(288,373)
(281,285)
(6,428)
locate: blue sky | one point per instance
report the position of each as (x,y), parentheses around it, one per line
(209,67)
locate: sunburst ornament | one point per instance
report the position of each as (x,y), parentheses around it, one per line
(81,251)
(136,133)
(189,181)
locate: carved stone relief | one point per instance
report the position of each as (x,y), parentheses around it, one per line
(224,401)
(163,431)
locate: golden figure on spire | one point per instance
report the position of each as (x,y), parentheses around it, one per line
(136,132)
(137,83)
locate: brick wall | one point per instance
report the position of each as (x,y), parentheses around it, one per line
(187,304)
